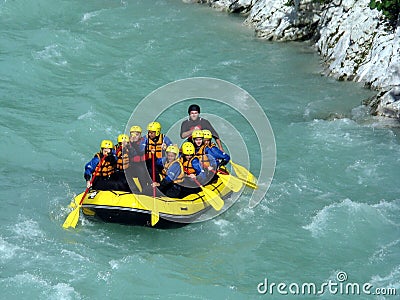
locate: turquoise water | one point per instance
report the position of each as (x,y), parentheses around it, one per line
(71,73)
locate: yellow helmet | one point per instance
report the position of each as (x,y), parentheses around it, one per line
(173,149)
(123,138)
(154,126)
(106,144)
(207,134)
(197,134)
(136,128)
(188,148)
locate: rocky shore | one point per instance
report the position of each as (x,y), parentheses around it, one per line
(353,40)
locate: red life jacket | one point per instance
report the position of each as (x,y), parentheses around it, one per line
(137,158)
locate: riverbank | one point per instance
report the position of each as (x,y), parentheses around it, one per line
(352,39)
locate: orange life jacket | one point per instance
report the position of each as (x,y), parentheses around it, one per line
(203,157)
(167,164)
(106,169)
(157,146)
(122,158)
(188,166)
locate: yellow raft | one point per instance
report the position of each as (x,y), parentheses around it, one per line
(135,209)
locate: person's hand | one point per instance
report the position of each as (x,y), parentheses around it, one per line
(210,168)
(155,184)
(88,185)
(196,128)
(164,146)
(193,176)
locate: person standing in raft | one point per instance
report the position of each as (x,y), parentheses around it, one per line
(192,169)
(172,173)
(122,163)
(103,179)
(156,143)
(195,122)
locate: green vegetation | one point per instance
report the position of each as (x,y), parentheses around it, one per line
(389,8)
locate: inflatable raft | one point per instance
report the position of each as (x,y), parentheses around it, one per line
(136,209)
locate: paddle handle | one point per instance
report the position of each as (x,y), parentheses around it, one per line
(220,172)
(93,177)
(153,171)
(196,181)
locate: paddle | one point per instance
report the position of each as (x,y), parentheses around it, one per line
(155,216)
(245,176)
(232,182)
(73,216)
(137,183)
(211,197)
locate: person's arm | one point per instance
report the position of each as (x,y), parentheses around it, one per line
(207,125)
(211,159)
(160,162)
(142,145)
(218,141)
(173,172)
(200,174)
(90,167)
(218,154)
(186,131)
(167,141)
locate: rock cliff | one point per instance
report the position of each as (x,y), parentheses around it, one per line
(353,40)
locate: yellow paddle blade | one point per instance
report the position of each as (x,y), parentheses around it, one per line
(72,204)
(211,197)
(155,216)
(137,182)
(232,182)
(72,218)
(245,175)
(251,185)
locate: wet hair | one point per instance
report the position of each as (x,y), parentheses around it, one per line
(193,107)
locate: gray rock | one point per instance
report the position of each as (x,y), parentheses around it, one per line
(385,103)
(352,39)
(231,6)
